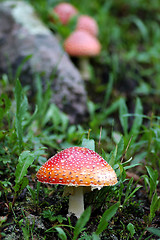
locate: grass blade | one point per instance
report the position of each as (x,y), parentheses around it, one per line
(123,110)
(120,148)
(137,121)
(61,233)
(107,215)
(155,231)
(108,90)
(21,108)
(19,69)
(81,222)
(132,193)
(24,161)
(88,143)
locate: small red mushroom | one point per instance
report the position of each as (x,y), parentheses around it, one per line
(82,44)
(65,12)
(77,167)
(88,24)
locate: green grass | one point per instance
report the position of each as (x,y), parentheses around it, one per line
(123,126)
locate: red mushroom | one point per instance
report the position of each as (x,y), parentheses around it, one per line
(88,24)
(78,167)
(82,44)
(65,12)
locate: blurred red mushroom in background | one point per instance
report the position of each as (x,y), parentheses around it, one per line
(88,24)
(65,12)
(78,168)
(82,44)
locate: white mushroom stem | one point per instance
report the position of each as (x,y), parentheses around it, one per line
(84,68)
(76,199)
(76,202)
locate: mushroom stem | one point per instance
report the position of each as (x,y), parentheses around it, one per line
(76,202)
(84,68)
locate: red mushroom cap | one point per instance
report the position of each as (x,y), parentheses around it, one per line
(81,43)
(77,166)
(88,24)
(65,12)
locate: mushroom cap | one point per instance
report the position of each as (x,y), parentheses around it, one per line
(77,166)
(88,24)
(81,43)
(65,12)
